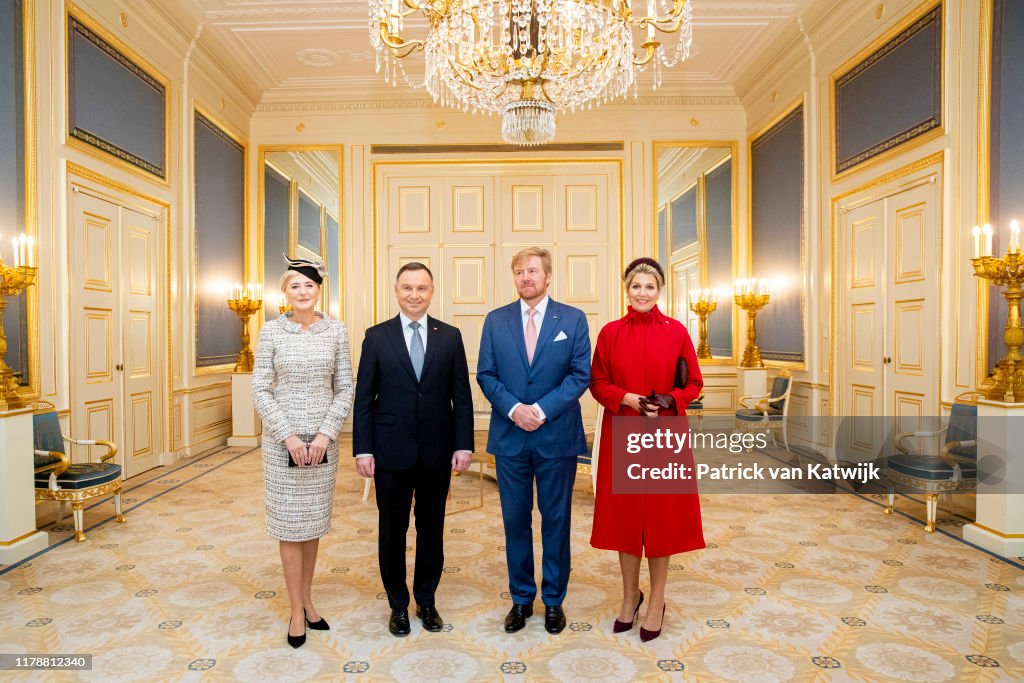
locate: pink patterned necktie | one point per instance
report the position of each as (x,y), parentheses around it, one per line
(531,335)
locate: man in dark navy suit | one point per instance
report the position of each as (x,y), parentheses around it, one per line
(534,365)
(413,424)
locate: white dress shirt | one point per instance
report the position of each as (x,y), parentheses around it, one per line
(538,320)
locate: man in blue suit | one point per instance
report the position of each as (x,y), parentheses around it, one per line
(534,365)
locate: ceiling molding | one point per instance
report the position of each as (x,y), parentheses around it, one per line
(368,105)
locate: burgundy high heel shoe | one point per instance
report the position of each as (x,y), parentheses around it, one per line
(621,626)
(646,635)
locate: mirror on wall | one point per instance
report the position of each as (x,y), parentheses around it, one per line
(300,208)
(695,212)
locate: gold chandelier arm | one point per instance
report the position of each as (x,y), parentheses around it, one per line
(649,47)
(398,45)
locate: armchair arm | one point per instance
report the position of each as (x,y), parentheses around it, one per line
(111,448)
(898,441)
(58,468)
(743,399)
(951,458)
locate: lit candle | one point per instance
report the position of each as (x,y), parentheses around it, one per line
(1015,236)
(714,296)
(987,231)
(976,233)
(17,253)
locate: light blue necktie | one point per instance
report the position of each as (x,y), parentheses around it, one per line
(416,349)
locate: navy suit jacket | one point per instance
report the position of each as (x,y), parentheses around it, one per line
(559,375)
(404,422)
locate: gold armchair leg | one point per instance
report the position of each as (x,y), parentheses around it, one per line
(76,512)
(117,507)
(891,505)
(932,506)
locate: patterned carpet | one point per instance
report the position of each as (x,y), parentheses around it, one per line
(797,587)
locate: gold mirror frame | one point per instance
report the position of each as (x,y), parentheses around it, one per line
(733,147)
(270,288)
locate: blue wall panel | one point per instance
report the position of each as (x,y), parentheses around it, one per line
(333,264)
(777,175)
(220,241)
(1006,200)
(113,104)
(12,176)
(893,96)
(718,252)
(309,224)
(276,212)
(684,219)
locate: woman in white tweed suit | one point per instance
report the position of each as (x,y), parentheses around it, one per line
(302,388)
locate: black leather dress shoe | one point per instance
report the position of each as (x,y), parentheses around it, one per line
(320,625)
(431,619)
(554,619)
(398,624)
(516,618)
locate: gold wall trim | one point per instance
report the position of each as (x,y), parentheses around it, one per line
(865,52)
(987,32)
(92,176)
(196,390)
(33,390)
(992,531)
(733,147)
(74,11)
(913,167)
(19,538)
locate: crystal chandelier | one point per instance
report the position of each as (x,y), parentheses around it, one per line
(528,59)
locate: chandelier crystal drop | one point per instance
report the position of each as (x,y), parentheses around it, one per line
(528,59)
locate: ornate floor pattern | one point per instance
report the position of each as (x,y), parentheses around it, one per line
(791,588)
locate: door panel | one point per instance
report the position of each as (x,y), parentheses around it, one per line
(116,391)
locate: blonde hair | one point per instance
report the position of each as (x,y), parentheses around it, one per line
(646,269)
(287,276)
(540,252)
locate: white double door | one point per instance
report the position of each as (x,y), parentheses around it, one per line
(117,342)
(888,340)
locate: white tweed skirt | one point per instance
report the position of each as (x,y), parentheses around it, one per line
(298,500)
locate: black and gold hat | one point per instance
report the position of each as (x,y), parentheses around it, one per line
(314,270)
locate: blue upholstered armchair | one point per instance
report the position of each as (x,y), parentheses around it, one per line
(762,412)
(60,479)
(955,468)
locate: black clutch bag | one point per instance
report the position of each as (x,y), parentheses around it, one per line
(680,373)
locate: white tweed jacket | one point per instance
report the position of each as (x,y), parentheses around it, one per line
(302,381)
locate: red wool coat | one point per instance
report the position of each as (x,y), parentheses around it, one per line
(636,354)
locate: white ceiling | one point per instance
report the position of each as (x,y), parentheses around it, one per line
(319,51)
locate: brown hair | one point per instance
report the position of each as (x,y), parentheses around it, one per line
(413,265)
(543,254)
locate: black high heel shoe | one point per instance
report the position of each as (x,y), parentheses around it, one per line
(646,635)
(621,626)
(316,625)
(295,641)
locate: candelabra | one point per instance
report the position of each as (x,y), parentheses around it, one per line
(1007,382)
(245,306)
(752,300)
(13,280)
(703,307)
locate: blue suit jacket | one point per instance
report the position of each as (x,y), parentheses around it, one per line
(559,375)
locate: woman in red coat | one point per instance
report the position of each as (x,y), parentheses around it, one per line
(635,355)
